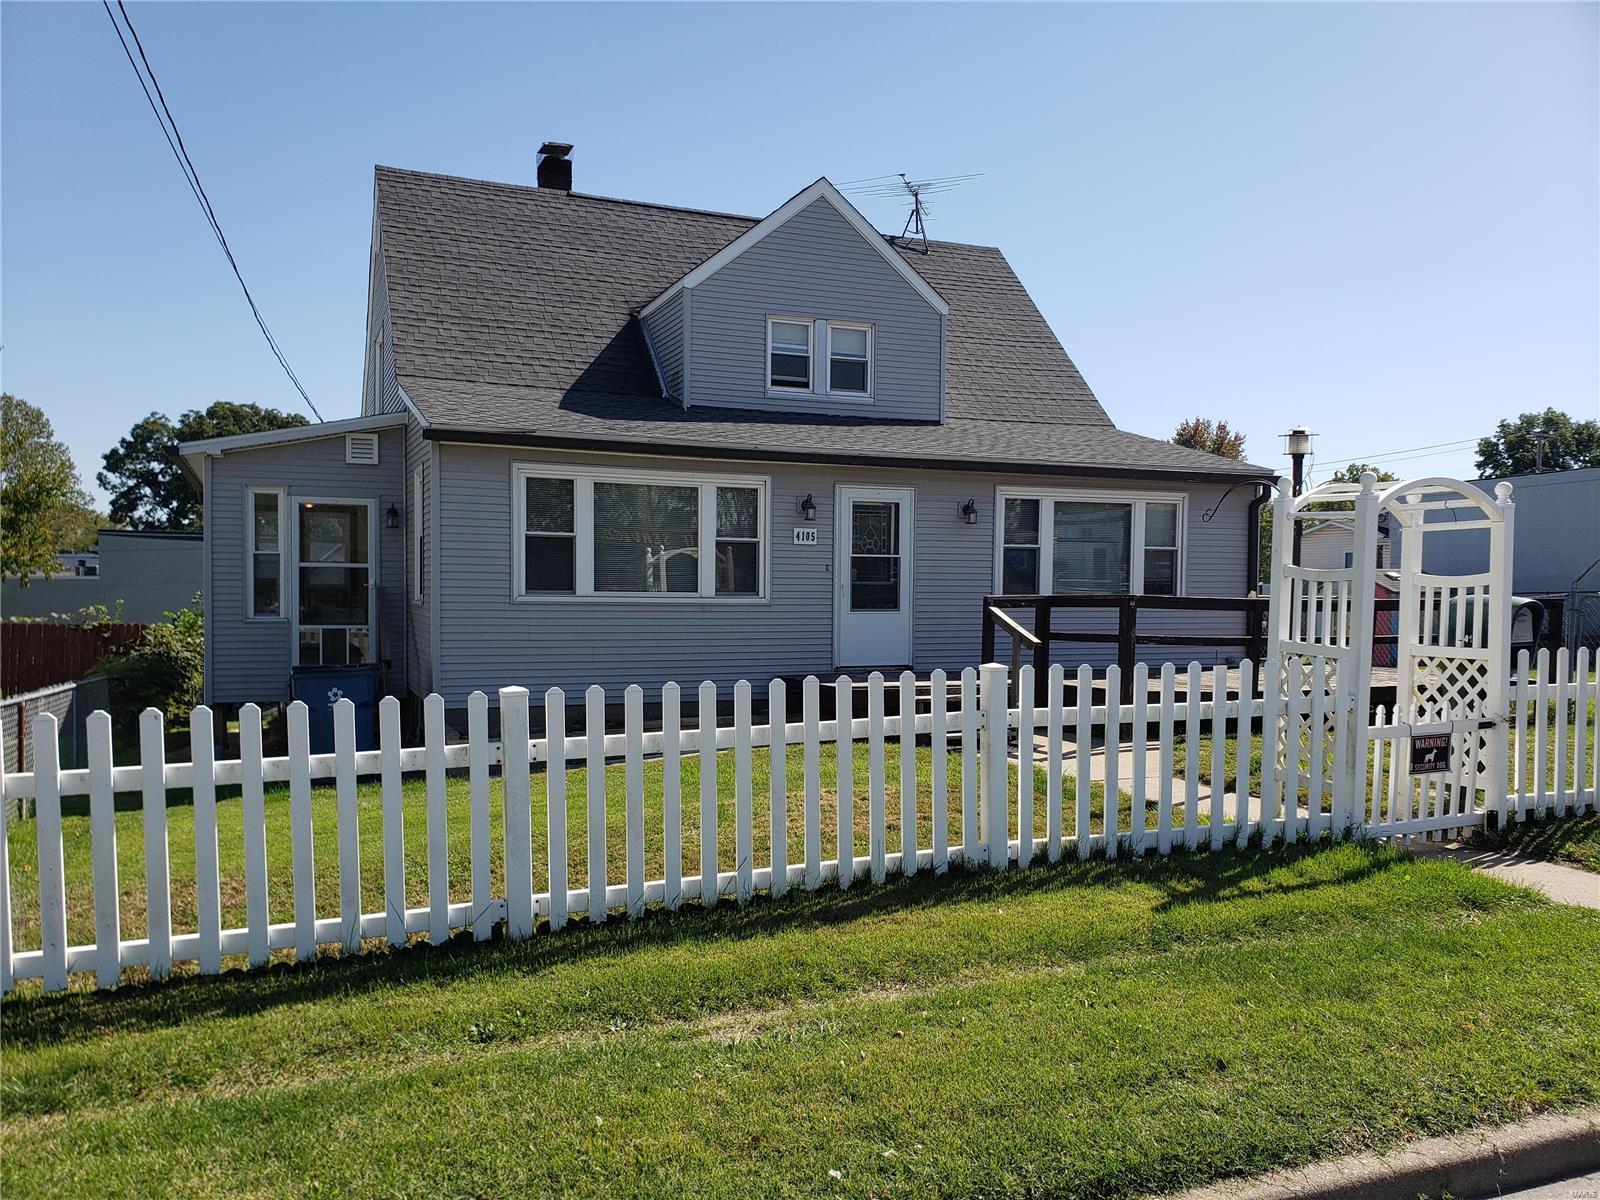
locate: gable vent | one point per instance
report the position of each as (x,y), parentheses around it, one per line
(361,449)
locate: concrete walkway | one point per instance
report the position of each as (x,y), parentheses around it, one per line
(1563,884)
(1152,773)
(1478,1162)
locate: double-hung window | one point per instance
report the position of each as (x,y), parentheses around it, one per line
(1065,543)
(843,350)
(789,354)
(264,590)
(633,533)
(850,359)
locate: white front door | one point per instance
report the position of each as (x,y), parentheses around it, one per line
(872,570)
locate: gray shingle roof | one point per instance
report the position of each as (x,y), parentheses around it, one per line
(512,312)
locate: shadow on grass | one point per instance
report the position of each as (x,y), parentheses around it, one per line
(1186,877)
(1565,838)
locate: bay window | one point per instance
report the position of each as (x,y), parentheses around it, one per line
(1085,543)
(625,533)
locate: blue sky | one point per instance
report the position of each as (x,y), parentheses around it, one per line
(1380,221)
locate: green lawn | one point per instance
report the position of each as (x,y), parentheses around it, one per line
(1094,1029)
(1230,764)
(181,851)
(1569,839)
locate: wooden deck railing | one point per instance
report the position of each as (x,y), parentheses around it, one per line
(1127,637)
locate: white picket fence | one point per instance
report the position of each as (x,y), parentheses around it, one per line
(1159,732)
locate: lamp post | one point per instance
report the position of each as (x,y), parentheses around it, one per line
(1297,445)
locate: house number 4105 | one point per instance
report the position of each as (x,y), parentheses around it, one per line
(805,537)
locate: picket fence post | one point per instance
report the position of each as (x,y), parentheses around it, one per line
(344,744)
(52,865)
(158,890)
(103,832)
(252,806)
(517,822)
(993,753)
(555,730)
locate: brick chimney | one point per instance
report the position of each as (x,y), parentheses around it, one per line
(555,168)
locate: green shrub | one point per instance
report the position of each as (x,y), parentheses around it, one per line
(164,669)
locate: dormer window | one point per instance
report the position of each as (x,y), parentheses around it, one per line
(789,354)
(850,359)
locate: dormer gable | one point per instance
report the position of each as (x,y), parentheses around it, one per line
(809,310)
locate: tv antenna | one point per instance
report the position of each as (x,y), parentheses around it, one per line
(899,186)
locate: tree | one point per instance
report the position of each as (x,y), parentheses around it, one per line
(1512,449)
(1351,474)
(1214,437)
(148,488)
(38,484)
(76,526)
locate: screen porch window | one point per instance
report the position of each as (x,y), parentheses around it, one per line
(639,534)
(335,576)
(789,354)
(850,359)
(265,596)
(1083,544)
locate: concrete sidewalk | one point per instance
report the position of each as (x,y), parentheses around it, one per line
(1563,884)
(1479,1162)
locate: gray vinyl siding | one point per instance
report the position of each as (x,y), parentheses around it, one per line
(816,266)
(488,640)
(388,397)
(419,625)
(249,660)
(665,330)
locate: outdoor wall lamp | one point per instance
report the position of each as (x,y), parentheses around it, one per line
(969,512)
(391,519)
(806,507)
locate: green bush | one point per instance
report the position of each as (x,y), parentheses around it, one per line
(164,669)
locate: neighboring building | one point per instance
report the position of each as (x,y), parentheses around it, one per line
(150,573)
(1555,545)
(614,442)
(1329,545)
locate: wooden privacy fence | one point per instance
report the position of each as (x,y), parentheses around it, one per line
(980,809)
(36,654)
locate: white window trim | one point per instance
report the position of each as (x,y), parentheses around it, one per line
(417,593)
(1047,515)
(774,389)
(583,480)
(871,332)
(250,494)
(371,565)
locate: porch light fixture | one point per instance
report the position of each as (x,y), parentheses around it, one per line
(806,507)
(391,519)
(969,512)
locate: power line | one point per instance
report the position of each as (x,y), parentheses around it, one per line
(192,178)
(1387,454)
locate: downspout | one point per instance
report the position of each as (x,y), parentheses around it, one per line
(1252,558)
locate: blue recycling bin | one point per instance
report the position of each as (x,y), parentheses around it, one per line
(321,687)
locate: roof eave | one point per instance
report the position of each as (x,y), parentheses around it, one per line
(754,453)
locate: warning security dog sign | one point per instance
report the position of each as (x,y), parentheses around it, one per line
(1430,752)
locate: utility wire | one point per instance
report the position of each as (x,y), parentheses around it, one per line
(1364,458)
(192,178)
